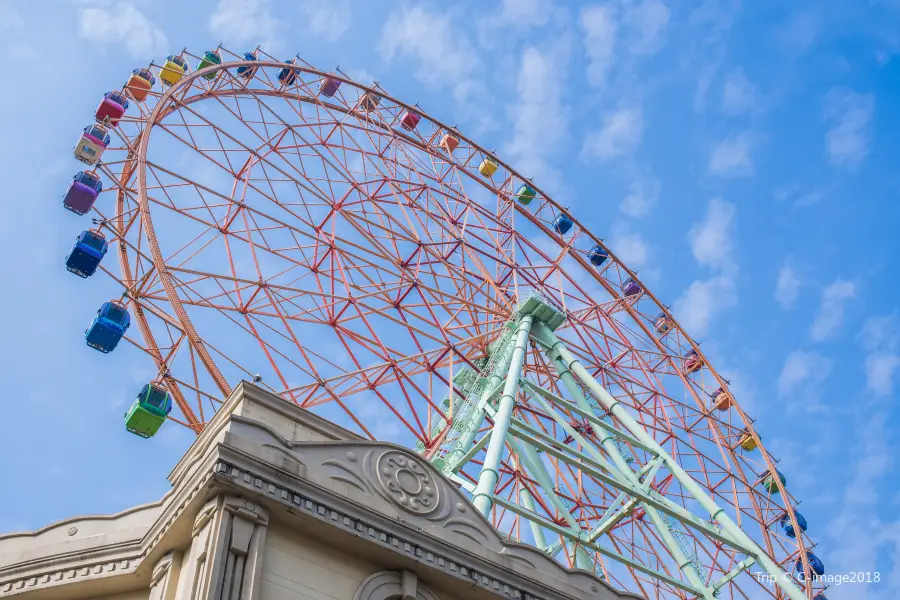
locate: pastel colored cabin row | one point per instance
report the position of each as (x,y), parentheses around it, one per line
(112,108)
(747,442)
(631,288)
(663,324)
(721,400)
(108,327)
(329,86)
(248,71)
(85,256)
(692,362)
(82,192)
(287,75)
(210,58)
(149,410)
(370,101)
(771,485)
(94,140)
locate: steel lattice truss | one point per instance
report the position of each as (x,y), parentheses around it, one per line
(363,270)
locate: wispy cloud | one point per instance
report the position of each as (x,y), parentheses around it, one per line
(10,19)
(645,25)
(881,339)
(712,239)
(328,20)
(540,119)
(242,21)
(802,368)
(122,23)
(599,24)
(787,286)
(629,246)
(641,198)
(831,312)
(739,96)
(619,135)
(703,301)
(731,156)
(848,114)
(442,51)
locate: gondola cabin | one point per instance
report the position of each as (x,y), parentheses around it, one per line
(287,75)
(449,143)
(747,442)
(525,194)
(692,362)
(410,120)
(663,324)
(94,140)
(820,597)
(631,288)
(721,400)
(562,224)
(598,255)
(329,86)
(140,83)
(210,58)
(112,107)
(248,71)
(771,485)
(149,410)
(85,256)
(487,167)
(108,327)
(788,527)
(815,564)
(82,192)
(173,70)
(369,101)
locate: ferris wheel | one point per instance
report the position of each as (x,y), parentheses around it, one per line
(359,258)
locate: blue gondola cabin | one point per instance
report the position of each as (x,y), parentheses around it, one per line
(788,527)
(173,70)
(108,327)
(287,75)
(149,410)
(82,192)
(94,140)
(248,71)
(112,107)
(815,564)
(562,224)
(85,256)
(598,255)
(140,83)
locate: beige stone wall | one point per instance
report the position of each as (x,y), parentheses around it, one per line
(139,595)
(299,568)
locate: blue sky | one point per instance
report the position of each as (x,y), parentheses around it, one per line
(741,156)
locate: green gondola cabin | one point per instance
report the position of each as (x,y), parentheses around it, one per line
(149,410)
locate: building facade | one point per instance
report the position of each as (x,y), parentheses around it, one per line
(274,503)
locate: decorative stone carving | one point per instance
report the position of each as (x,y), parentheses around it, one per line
(408,482)
(393,585)
(164,579)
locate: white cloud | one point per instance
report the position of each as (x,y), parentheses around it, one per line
(881,337)
(703,301)
(443,51)
(831,312)
(712,240)
(123,24)
(242,21)
(641,197)
(848,114)
(10,19)
(738,94)
(328,20)
(787,287)
(620,135)
(629,247)
(600,26)
(646,25)
(525,13)
(731,156)
(540,121)
(802,368)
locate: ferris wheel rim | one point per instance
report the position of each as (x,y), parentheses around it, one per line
(160,111)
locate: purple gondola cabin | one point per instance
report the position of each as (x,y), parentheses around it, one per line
(82,192)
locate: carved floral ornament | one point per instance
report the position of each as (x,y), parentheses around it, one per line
(408,482)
